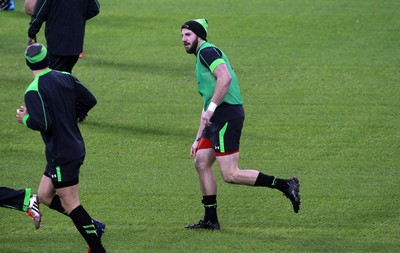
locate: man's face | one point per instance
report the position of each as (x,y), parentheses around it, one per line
(190,41)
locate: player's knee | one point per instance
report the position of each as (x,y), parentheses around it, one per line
(230,177)
(69,204)
(197,163)
(44,197)
(201,163)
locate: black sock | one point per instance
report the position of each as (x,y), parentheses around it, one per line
(270,181)
(85,226)
(210,208)
(56,205)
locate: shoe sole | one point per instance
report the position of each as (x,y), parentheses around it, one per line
(296,202)
(36,219)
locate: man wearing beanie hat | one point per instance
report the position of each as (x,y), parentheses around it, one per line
(65,28)
(220,128)
(54,101)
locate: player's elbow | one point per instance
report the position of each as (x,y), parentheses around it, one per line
(227,79)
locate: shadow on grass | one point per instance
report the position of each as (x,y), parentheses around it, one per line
(129,128)
(132,66)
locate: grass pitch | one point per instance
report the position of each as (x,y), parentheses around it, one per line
(320,82)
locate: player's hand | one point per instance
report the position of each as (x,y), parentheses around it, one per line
(194,147)
(31,40)
(206,117)
(21,112)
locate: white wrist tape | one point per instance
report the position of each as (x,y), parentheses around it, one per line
(212,107)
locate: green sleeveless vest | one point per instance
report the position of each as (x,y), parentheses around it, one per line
(206,81)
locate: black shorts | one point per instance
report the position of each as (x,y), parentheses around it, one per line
(63,62)
(64,175)
(224,136)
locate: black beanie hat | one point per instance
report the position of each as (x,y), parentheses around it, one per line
(198,26)
(36,56)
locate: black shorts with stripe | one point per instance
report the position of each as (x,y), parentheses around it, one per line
(225,136)
(64,175)
(226,128)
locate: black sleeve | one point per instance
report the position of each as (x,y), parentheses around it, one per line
(85,100)
(93,9)
(38,117)
(40,15)
(208,55)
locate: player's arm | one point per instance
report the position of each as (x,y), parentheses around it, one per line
(93,9)
(40,15)
(224,79)
(38,117)
(85,100)
(212,58)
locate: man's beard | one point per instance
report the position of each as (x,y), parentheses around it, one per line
(192,49)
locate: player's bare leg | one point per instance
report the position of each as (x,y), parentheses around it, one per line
(66,200)
(231,173)
(46,191)
(208,186)
(203,162)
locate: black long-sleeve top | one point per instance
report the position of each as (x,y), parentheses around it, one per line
(65,23)
(54,101)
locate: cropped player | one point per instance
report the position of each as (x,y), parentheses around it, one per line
(22,200)
(54,102)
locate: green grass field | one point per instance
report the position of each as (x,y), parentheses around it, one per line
(320,81)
